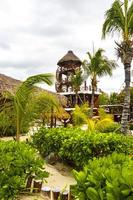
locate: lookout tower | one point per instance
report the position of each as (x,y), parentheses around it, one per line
(67,67)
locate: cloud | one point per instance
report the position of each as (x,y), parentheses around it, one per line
(35,34)
(4,46)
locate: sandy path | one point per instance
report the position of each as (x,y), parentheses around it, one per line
(60,176)
(31,197)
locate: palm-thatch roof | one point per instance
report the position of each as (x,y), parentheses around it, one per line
(70,56)
(9,84)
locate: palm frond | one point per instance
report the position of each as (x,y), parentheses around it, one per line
(77,80)
(27,86)
(99,65)
(130,19)
(23,94)
(89,54)
(99,52)
(114,19)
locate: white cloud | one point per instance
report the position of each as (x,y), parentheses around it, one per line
(35,34)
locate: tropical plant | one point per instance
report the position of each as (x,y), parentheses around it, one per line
(7,128)
(107,125)
(23,94)
(8,116)
(46,106)
(77,80)
(113,98)
(102,123)
(97,66)
(77,146)
(103,114)
(18,162)
(108,178)
(80,115)
(119,19)
(103,99)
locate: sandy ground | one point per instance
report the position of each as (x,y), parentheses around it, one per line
(60,176)
(33,197)
(22,138)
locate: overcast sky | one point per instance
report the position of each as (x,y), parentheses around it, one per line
(35,34)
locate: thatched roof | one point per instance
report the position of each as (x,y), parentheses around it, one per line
(8,84)
(70,56)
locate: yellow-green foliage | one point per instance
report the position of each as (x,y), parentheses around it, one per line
(80,115)
(101,125)
(91,125)
(103,114)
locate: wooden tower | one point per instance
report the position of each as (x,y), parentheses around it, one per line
(66,68)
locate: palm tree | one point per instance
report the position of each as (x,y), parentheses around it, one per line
(23,94)
(44,105)
(76,81)
(119,18)
(113,99)
(97,66)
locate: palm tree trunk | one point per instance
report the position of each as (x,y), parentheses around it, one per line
(18,126)
(80,98)
(126,106)
(92,101)
(76,98)
(52,118)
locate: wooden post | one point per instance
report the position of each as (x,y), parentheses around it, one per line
(56,193)
(46,191)
(64,195)
(37,186)
(29,183)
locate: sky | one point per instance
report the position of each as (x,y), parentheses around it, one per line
(35,34)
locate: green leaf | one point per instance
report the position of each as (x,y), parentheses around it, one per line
(92,194)
(126,192)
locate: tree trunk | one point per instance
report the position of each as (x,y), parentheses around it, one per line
(80,98)
(126,106)
(92,101)
(52,118)
(18,126)
(55,122)
(76,98)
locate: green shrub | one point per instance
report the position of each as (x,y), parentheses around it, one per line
(51,140)
(77,146)
(107,178)
(108,127)
(18,161)
(8,124)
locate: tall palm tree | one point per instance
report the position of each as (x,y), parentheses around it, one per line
(76,81)
(97,66)
(23,94)
(119,19)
